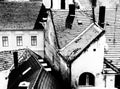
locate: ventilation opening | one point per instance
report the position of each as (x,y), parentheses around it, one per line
(87,79)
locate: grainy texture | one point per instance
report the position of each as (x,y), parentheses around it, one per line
(81,21)
(112,29)
(16,15)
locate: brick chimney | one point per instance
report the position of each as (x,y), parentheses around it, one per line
(70,17)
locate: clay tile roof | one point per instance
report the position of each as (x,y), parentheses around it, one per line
(79,44)
(18,15)
(81,21)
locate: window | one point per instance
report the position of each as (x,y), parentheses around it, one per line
(19,41)
(5,41)
(34,40)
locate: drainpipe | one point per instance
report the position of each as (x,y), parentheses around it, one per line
(15,54)
(101,16)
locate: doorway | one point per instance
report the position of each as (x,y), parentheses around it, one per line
(87,79)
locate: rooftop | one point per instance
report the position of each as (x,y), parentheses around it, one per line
(81,21)
(18,15)
(79,44)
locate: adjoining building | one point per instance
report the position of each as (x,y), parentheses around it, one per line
(17,26)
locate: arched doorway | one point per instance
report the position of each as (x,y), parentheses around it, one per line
(87,79)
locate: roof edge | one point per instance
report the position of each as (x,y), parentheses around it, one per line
(93,41)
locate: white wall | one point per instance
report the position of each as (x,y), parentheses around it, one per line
(110,81)
(57,3)
(26,37)
(90,61)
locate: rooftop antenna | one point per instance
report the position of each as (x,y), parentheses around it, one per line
(93,5)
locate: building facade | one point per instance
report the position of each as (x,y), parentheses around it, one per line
(17,28)
(13,40)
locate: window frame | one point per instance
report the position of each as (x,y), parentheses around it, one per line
(5,42)
(19,40)
(33,40)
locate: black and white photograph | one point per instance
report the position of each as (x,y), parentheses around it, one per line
(59,44)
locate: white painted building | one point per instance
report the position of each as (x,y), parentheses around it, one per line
(17,29)
(56,4)
(12,40)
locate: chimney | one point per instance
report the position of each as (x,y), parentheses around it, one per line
(42,17)
(70,17)
(101,16)
(15,54)
(62,4)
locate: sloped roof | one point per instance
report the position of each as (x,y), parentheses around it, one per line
(6,58)
(79,44)
(36,75)
(18,15)
(81,21)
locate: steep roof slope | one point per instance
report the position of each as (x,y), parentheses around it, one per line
(79,44)
(81,21)
(18,15)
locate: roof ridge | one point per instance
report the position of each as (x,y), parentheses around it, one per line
(71,51)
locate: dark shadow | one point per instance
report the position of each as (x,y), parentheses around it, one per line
(117,81)
(87,79)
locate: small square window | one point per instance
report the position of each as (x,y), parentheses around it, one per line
(34,40)
(5,41)
(19,41)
